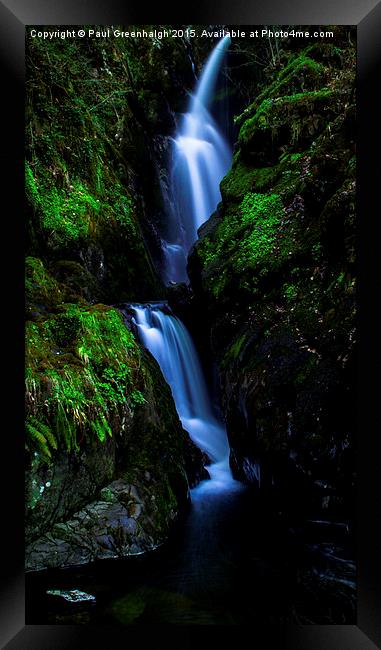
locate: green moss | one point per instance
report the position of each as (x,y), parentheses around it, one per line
(300,112)
(250,239)
(250,231)
(65,212)
(290,292)
(233,352)
(82,368)
(282,178)
(40,286)
(31,188)
(243,178)
(301,74)
(69,213)
(263,213)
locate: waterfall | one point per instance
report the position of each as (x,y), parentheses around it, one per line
(201,157)
(165,336)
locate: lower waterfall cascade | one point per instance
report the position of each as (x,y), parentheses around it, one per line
(168,340)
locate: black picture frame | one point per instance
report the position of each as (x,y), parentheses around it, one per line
(14,16)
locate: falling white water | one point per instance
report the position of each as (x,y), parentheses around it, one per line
(169,342)
(201,157)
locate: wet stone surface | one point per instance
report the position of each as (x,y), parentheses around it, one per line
(115,526)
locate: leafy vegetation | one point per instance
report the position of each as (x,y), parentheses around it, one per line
(82,370)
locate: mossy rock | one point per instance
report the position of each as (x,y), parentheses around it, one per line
(94,226)
(106,413)
(82,367)
(282,309)
(293,120)
(301,74)
(249,243)
(78,279)
(243,178)
(284,177)
(40,286)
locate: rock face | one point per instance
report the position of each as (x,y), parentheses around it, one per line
(274,275)
(77,513)
(122,522)
(99,116)
(99,412)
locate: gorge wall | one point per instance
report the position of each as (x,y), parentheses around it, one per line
(274,275)
(108,463)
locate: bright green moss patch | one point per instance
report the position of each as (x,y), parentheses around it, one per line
(251,238)
(237,182)
(82,370)
(263,213)
(242,179)
(249,232)
(72,212)
(31,188)
(261,207)
(302,74)
(66,213)
(282,178)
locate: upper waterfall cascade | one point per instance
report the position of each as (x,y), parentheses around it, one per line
(201,157)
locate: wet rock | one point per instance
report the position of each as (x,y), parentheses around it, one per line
(118,527)
(85,504)
(326,582)
(72,596)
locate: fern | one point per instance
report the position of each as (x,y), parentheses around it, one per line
(45,431)
(101,428)
(66,429)
(38,439)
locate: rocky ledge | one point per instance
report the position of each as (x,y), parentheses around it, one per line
(120,523)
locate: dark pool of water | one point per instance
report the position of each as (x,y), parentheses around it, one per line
(234,560)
